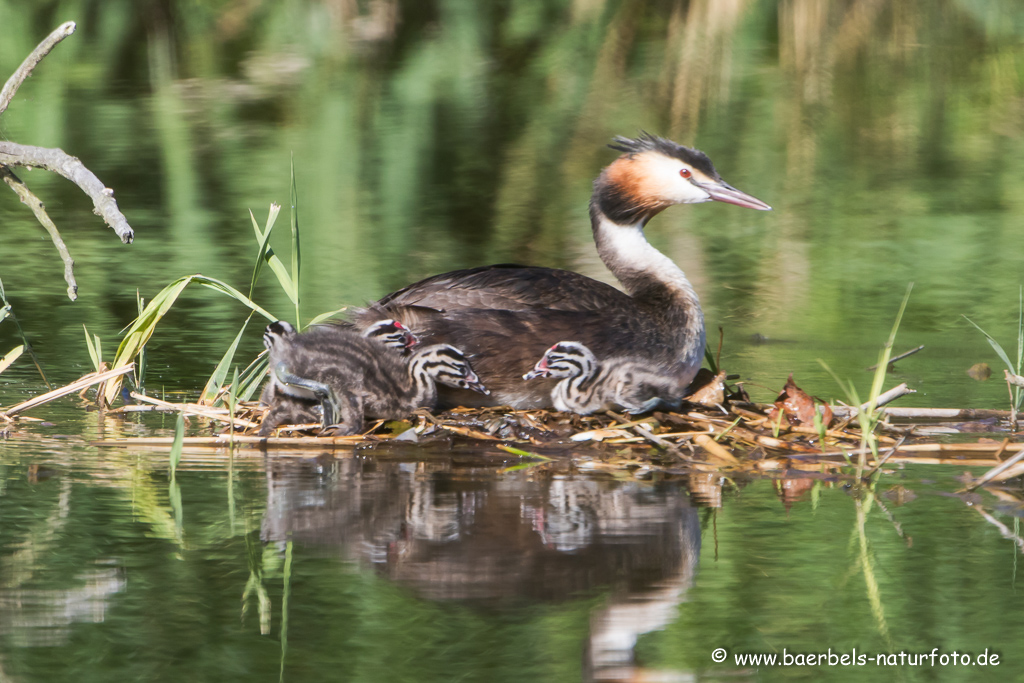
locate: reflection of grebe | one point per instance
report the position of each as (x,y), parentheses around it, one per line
(505,316)
(450,533)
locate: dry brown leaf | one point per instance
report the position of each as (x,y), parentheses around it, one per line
(711,391)
(601,435)
(798,406)
(979,371)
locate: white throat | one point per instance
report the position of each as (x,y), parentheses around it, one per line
(638,265)
(626,252)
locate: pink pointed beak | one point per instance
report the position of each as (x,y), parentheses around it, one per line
(724,192)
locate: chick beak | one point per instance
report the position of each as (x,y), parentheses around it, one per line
(472,381)
(539,370)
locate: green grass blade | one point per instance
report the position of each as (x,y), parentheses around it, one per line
(324,316)
(94,352)
(232,404)
(1020,328)
(995,345)
(11,356)
(178,444)
(252,377)
(216,381)
(521,453)
(267,255)
(225,288)
(287,284)
(883,363)
(296,252)
(262,240)
(142,362)
(284,605)
(710,359)
(142,329)
(1018,394)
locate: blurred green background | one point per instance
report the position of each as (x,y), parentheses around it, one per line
(430,135)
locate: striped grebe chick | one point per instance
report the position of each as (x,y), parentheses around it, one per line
(587,385)
(352,377)
(388,332)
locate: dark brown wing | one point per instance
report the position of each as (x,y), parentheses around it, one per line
(504,345)
(505,317)
(508,287)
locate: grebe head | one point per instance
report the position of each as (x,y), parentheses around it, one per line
(564,359)
(392,334)
(277,332)
(447,365)
(654,173)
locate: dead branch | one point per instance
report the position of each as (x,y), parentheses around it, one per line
(656,440)
(911,352)
(881,461)
(201,411)
(61,163)
(946,413)
(883,398)
(77,385)
(33,202)
(25,70)
(57,161)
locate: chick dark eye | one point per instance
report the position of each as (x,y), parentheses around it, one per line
(685,172)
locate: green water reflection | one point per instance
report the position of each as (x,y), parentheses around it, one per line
(443,569)
(432,135)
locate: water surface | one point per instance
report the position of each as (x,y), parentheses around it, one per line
(428,136)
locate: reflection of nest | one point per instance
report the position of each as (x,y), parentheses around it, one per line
(450,537)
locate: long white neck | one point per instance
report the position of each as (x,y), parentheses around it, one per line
(638,265)
(653,280)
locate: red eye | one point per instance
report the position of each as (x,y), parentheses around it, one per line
(685,172)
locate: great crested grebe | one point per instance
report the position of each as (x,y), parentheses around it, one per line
(353,377)
(588,385)
(505,316)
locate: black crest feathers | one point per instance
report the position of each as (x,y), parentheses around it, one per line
(646,142)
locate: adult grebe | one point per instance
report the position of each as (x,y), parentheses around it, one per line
(505,316)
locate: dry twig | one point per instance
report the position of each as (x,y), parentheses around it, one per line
(892,360)
(25,70)
(33,202)
(78,385)
(194,409)
(57,161)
